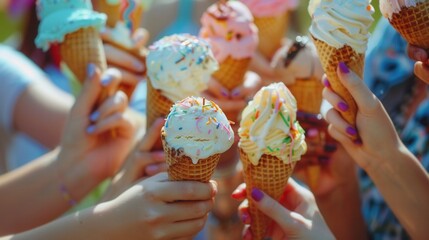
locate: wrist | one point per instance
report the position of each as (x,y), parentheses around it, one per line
(74,178)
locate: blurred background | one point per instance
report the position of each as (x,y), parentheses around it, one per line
(10,22)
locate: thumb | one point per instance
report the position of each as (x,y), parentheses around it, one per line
(153,134)
(89,93)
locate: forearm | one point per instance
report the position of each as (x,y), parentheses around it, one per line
(341,210)
(404,185)
(86,224)
(32,195)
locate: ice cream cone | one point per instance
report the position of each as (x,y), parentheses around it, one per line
(231,72)
(308,94)
(271,31)
(413,24)
(270,176)
(81,48)
(181,168)
(112,10)
(157,104)
(330,57)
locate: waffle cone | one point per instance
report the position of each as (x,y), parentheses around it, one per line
(413,24)
(271,31)
(308,94)
(80,48)
(270,176)
(330,57)
(231,72)
(113,12)
(181,167)
(157,104)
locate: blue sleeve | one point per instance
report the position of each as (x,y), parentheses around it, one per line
(17,72)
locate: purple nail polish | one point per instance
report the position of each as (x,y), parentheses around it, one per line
(257,195)
(343,68)
(106,79)
(326,83)
(343,106)
(94,116)
(224,92)
(90,70)
(245,218)
(235,93)
(90,129)
(351,131)
(358,142)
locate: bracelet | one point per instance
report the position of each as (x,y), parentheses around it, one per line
(66,195)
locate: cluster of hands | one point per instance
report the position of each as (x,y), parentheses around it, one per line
(140,200)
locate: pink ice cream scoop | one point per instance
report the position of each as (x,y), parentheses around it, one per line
(229,28)
(270,8)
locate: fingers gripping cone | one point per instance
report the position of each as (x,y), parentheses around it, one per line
(271,176)
(271,142)
(330,57)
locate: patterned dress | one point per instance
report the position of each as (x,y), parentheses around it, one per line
(392,81)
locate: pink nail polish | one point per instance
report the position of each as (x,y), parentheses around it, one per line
(326,83)
(351,131)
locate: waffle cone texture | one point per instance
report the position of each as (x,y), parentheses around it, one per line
(157,106)
(270,176)
(231,72)
(330,57)
(81,48)
(271,31)
(181,167)
(413,24)
(308,94)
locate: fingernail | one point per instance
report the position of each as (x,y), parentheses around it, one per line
(214,184)
(94,116)
(351,131)
(343,68)
(358,142)
(245,218)
(224,92)
(106,79)
(152,168)
(90,129)
(90,70)
(235,92)
(326,83)
(343,106)
(257,195)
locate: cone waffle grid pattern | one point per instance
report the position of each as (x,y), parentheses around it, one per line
(270,176)
(271,31)
(231,72)
(157,104)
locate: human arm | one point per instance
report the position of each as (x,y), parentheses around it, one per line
(331,175)
(382,155)
(296,217)
(87,155)
(154,208)
(421,67)
(142,162)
